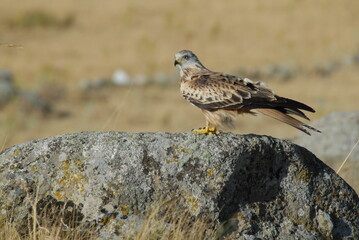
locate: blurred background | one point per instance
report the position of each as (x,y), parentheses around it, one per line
(68,66)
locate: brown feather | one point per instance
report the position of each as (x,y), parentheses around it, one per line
(286,119)
(220,118)
(213,91)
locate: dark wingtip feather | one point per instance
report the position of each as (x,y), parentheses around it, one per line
(293,103)
(304,130)
(311,128)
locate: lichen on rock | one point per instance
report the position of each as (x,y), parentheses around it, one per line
(249,185)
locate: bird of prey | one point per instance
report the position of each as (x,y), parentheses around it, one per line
(222,96)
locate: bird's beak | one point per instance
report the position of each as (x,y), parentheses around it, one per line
(177,61)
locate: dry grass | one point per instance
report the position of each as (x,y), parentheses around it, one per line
(46,222)
(172,223)
(161,222)
(347,157)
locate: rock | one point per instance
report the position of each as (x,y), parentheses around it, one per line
(340,132)
(252,187)
(328,68)
(356,58)
(253,73)
(31,101)
(325,224)
(161,78)
(282,72)
(7,86)
(348,60)
(95,84)
(121,78)
(141,79)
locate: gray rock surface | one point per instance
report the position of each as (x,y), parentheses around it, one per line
(29,100)
(262,187)
(7,87)
(340,132)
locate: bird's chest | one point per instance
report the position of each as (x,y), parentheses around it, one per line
(183,88)
(186,90)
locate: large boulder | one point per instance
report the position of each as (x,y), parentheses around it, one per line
(265,188)
(340,132)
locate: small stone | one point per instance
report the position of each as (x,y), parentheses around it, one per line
(120,77)
(33,101)
(325,224)
(141,79)
(96,83)
(7,86)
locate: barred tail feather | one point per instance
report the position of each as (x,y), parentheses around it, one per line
(280,116)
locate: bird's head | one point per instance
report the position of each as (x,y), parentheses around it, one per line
(186,59)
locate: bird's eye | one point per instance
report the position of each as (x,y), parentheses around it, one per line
(185,57)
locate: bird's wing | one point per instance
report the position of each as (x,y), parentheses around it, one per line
(212,91)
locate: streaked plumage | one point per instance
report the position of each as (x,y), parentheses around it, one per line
(222,96)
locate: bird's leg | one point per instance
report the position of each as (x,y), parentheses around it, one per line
(202,130)
(207,130)
(213,130)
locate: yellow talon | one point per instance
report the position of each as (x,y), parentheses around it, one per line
(214,130)
(202,130)
(206,130)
